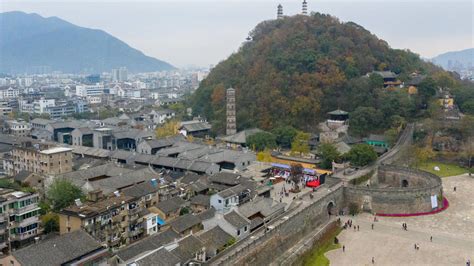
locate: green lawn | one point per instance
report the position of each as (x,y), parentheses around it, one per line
(316,257)
(445,169)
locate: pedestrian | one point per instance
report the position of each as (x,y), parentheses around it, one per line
(454,189)
(373,260)
(431,238)
(372,226)
(468,262)
(357,228)
(343,248)
(415,246)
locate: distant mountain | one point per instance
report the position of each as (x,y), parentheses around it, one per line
(30,40)
(456,59)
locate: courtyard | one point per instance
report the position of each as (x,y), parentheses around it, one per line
(452,231)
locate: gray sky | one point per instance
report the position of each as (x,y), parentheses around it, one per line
(206,32)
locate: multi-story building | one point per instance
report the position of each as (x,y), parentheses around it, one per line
(89,90)
(55,109)
(19,218)
(40,160)
(18,128)
(9,92)
(113,221)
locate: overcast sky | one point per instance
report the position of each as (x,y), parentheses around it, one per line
(205,32)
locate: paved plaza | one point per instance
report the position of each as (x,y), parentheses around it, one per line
(452,231)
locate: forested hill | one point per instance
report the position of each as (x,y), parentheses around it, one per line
(296,69)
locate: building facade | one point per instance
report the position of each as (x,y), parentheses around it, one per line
(19,218)
(48,161)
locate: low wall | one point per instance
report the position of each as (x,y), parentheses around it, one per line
(403,200)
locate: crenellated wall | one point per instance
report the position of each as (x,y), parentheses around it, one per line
(389,195)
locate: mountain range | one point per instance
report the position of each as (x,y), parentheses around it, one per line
(30,40)
(455,59)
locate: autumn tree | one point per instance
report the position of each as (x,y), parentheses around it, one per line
(423,154)
(296,172)
(170,128)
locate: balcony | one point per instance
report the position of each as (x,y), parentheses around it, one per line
(134,211)
(25,222)
(25,235)
(28,208)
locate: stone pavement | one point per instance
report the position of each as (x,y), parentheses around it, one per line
(452,231)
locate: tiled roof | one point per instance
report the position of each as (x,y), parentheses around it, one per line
(215,238)
(57,250)
(147,244)
(185,222)
(236,220)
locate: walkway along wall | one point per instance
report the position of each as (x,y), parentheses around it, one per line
(286,233)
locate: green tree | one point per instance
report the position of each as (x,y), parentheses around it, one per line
(261,141)
(50,222)
(364,120)
(468,107)
(328,153)
(361,155)
(183,211)
(426,90)
(62,193)
(391,135)
(300,143)
(285,135)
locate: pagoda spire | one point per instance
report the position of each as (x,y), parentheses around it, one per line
(305,8)
(279,11)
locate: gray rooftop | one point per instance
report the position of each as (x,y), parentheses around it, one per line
(215,238)
(202,200)
(187,247)
(147,244)
(160,257)
(241,136)
(57,250)
(265,206)
(236,220)
(171,205)
(185,222)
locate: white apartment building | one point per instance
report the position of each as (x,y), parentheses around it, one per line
(9,93)
(89,90)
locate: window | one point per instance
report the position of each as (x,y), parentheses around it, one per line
(220,201)
(238,232)
(245,229)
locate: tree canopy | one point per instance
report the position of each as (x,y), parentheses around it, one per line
(301,67)
(328,154)
(361,155)
(62,193)
(261,141)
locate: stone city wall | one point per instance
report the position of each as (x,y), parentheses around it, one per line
(285,233)
(403,200)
